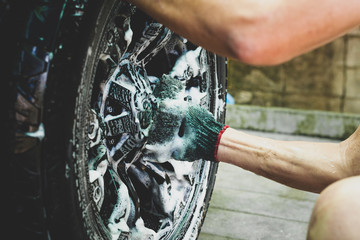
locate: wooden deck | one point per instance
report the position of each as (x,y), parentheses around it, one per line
(247,206)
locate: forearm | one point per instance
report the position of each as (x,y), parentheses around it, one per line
(202,22)
(255,31)
(304,165)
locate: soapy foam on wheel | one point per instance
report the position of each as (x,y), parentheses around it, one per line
(168,139)
(176,198)
(187,63)
(120,213)
(161,152)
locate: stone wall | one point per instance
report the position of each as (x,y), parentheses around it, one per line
(327,79)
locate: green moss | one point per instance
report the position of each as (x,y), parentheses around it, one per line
(262,119)
(306,126)
(349,128)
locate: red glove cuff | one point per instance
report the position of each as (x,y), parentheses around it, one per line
(218,142)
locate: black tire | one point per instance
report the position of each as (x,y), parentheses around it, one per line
(69,115)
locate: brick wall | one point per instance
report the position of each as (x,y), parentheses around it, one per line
(327,79)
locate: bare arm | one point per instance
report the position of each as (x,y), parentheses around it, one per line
(256,31)
(309,166)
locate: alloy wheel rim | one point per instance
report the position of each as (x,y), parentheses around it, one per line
(120,119)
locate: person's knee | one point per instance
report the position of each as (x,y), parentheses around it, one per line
(336,214)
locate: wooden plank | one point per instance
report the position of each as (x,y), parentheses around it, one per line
(262,205)
(235,225)
(206,236)
(232,177)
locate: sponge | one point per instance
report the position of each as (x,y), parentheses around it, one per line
(184,130)
(168,88)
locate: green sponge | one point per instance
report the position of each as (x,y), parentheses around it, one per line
(166,124)
(168,88)
(189,131)
(203,132)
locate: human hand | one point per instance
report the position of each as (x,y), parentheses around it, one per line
(182,131)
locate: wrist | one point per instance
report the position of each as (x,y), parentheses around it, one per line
(218,142)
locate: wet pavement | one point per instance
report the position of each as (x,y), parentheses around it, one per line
(248,206)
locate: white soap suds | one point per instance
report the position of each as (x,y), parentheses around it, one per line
(196,95)
(140,232)
(128,36)
(187,65)
(40,133)
(185,193)
(89,51)
(94,175)
(117,221)
(100,171)
(194,228)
